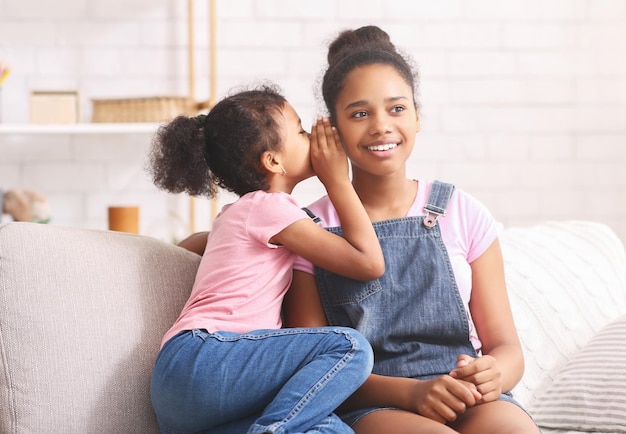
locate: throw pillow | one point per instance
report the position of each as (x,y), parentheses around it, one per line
(589,394)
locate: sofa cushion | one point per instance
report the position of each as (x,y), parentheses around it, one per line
(82,313)
(566,281)
(590,392)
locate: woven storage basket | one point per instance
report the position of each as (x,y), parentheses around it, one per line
(150,109)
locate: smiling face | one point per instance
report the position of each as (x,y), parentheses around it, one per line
(377,119)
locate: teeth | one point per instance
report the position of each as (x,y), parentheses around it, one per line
(382,147)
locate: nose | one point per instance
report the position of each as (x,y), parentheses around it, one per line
(379,124)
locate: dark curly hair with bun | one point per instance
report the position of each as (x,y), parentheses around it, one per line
(196,155)
(352,49)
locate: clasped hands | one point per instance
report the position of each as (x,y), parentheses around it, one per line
(474,381)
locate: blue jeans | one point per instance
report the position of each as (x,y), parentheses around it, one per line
(264,381)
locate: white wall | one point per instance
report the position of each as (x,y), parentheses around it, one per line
(523,102)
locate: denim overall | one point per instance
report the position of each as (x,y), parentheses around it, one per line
(413,316)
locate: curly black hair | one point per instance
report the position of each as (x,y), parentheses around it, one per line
(222,149)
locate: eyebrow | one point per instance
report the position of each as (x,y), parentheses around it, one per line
(364,102)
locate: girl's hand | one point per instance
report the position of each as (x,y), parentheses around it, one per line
(357,254)
(483,372)
(444,398)
(328,157)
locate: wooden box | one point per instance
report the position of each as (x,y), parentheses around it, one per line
(54,107)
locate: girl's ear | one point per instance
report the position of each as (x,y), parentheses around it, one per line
(271,163)
(417,123)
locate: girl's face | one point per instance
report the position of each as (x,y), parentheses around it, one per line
(377,119)
(295,154)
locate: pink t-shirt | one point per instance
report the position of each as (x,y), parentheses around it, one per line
(242,278)
(467,229)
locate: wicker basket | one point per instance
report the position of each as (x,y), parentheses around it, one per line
(150,109)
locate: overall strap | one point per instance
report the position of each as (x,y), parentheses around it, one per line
(440,194)
(312,216)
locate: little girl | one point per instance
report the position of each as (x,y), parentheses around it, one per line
(226,366)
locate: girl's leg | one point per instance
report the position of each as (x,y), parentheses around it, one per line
(292,378)
(497,417)
(318,368)
(391,421)
(331,424)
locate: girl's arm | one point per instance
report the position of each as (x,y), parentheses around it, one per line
(357,254)
(502,364)
(302,306)
(440,399)
(195,242)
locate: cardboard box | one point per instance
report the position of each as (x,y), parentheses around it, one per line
(54,107)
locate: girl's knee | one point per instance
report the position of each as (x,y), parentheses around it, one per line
(391,420)
(360,348)
(356,339)
(497,417)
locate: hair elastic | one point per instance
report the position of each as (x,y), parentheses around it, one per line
(200,119)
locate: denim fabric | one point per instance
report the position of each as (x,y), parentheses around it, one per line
(265,381)
(413,316)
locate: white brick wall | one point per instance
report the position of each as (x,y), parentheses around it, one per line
(523,102)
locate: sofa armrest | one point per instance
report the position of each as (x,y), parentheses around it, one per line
(82,313)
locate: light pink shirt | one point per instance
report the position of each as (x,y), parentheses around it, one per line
(242,278)
(467,229)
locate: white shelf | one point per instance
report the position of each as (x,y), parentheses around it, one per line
(81,128)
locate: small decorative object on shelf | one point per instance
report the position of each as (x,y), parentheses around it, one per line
(4,74)
(54,107)
(124,219)
(24,206)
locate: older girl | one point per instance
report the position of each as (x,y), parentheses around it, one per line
(445,345)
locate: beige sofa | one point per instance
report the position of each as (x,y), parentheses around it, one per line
(82,313)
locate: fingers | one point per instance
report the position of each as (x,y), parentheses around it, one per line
(475,392)
(328,158)
(317,138)
(335,135)
(468,366)
(491,392)
(324,135)
(463,360)
(446,398)
(482,372)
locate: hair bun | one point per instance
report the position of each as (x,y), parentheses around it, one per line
(366,37)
